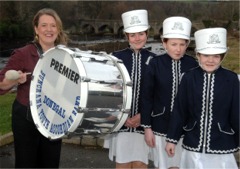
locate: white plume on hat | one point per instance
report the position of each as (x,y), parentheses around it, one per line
(177,27)
(135,21)
(211,41)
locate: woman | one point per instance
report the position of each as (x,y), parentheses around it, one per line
(161,82)
(207,108)
(128,146)
(32,150)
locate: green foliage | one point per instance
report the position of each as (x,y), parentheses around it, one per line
(235,16)
(231,60)
(208,23)
(14,31)
(3,29)
(6,112)
(10,30)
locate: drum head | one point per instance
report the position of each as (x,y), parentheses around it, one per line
(54,107)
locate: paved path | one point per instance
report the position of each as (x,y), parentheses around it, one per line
(76,153)
(87,153)
(72,156)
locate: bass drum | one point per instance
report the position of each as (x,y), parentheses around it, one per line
(76,92)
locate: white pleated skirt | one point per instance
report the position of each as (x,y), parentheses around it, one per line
(159,155)
(194,160)
(127,147)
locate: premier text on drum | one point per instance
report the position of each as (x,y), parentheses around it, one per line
(64,70)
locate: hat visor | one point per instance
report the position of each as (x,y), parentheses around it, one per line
(176,36)
(136,29)
(212,51)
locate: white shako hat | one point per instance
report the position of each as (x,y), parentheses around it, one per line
(211,41)
(135,21)
(177,27)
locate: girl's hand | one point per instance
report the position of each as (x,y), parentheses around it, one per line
(170,149)
(149,137)
(133,122)
(136,120)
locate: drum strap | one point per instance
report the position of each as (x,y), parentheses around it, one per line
(40,52)
(39,48)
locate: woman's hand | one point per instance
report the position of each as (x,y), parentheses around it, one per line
(7,83)
(22,77)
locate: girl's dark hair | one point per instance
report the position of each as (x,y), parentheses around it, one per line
(166,39)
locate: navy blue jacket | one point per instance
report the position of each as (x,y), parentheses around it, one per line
(136,65)
(160,87)
(207,110)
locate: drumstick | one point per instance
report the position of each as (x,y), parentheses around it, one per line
(13,74)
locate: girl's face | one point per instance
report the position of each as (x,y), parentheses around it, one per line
(137,40)
(209,63)
(175,48)
(47,30)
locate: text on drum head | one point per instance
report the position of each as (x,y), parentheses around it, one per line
(64,70)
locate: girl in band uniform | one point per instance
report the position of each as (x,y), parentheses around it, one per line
(162,78)
(128,146)
(207,108)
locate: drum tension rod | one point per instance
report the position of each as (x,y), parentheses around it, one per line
(85,110)
(100,61)
(85,79)
(129,84)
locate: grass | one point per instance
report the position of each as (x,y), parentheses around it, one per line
(6,112)
(230,62)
